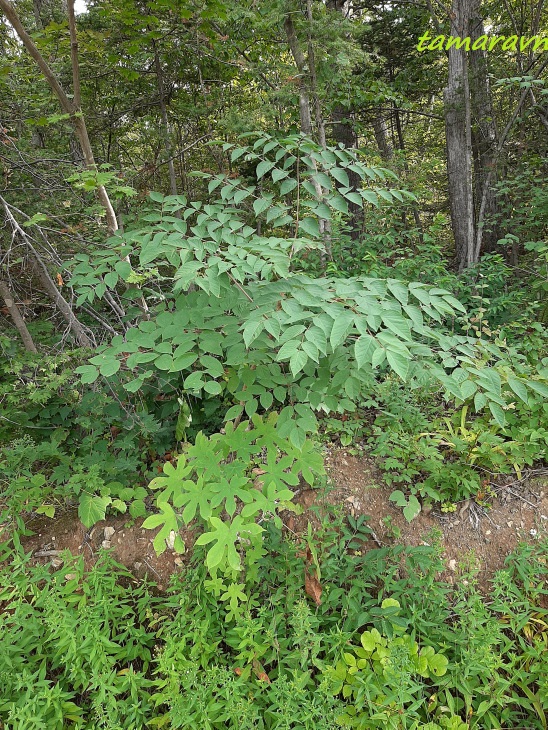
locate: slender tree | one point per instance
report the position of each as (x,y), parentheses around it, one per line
(459,140)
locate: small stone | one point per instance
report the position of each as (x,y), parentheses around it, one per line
(487,532)
(178,561)
(71,576)
(108,532)
(452,565)
(106,544)
(56,563)
(544,517)
(137,566)
(456,523)
(510,523)
(53,538)
(170,542)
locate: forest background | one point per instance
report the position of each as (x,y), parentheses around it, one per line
(237,234)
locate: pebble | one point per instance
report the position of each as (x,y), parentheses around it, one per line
(171,539)
(106,544)
(452,565)
(108,532)
(178,561)
(56,563)
(137,565)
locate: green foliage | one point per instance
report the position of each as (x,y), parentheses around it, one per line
(97,649)
(249,319)
(382,677)
(75,647)
(245,473)
(64,444)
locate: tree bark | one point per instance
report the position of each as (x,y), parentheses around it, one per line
(379,129)
(17,317)
(484,133)
(305,81)
(401,142)
(320,124)
(165,121)
(300,63)
(459,142)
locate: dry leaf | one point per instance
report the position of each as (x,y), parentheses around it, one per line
(260,673)
(313,588)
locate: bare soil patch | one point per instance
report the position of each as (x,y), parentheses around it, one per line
(472,535)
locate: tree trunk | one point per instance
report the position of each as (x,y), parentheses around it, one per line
(344,134)
(305,82)
(17,317)
(401,142)
(459,141)
(165,121)
(379,128)
(300,63)
(484,133)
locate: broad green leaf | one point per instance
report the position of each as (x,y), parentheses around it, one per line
(261,204)
(371,197)
(398,324)
(111,279)
(310,227)
(340,176)
(92,508)
(194,381)
(287,186)
(287,350)
(363,349)
(398,362)
(263,167)
(539,388)
(341,327)
(498,414)
(519,388)
(297,361)
(252,329)
(88,373)
(213,387)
